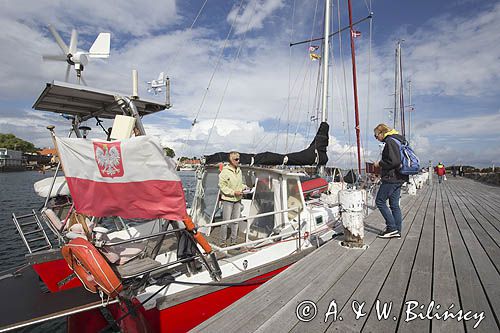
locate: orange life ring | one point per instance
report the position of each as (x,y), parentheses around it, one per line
(91,268)
(188,222)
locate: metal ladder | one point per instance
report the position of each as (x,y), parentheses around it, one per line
(31,231)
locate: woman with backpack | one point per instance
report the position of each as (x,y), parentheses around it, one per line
(391,180)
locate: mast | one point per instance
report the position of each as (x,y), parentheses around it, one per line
(324,99)
(397,122)
(355,86)
(399,113)
(410,111)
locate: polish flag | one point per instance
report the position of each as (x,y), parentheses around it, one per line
(131,178)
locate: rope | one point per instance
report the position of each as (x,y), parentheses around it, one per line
(289,76)
(345,91)
(368,98)
(176,55)
(171,280)
(229,79)
(221,54)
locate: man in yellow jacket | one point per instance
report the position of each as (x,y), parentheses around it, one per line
(231,188)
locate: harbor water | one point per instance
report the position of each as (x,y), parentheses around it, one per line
(18,196)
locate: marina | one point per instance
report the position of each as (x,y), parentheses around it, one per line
(257,194)
(448,255)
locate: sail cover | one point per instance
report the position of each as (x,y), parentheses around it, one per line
(315,154)
(131,178)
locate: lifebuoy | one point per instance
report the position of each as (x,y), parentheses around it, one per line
(91,268)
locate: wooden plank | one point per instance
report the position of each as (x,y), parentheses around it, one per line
(249,313)
(471,292)
(444,287)
(340,288)
(487,236)
(285,317)
(396,283)
(368,289)
(480,196)
(483,216)
(420,284)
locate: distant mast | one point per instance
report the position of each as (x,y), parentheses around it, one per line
(399,116)
(324,100)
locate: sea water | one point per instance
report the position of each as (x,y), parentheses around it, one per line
(18,196)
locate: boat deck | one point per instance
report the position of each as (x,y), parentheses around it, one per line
(448,255)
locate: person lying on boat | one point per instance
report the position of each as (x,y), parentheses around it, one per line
(231,188)
(391,180)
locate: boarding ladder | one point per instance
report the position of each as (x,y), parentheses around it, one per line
(31,231)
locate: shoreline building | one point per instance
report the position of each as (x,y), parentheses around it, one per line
(11,160)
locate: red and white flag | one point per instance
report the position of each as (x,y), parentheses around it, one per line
(355,33)
(131,178)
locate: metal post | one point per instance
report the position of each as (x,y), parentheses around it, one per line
(429,179)
(300,233)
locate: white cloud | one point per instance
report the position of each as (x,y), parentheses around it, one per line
(446,59)
(252,14)
(456,55)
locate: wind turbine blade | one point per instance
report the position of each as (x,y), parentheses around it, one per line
(73,42)
(54,57)
(68,68)
(100,48)
(58,39)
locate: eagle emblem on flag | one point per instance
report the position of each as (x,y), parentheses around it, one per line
(108,157)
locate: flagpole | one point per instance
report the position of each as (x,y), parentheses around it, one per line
(355,86)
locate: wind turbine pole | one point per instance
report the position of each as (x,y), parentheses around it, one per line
(355,86)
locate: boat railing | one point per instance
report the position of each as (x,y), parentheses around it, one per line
(260,240)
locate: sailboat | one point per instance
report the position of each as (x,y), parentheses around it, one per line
(151,270)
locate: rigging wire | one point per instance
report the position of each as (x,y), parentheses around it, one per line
(368,97)
(176,55)
(289,76)
(306,59)
(346,101)
(219,58)
(309,106)
(229,78)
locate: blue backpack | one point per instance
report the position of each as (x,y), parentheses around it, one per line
(410,165)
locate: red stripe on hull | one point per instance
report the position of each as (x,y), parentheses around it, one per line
(52,272)
(179,318)
(146,199)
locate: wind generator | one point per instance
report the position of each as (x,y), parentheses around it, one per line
(74,57)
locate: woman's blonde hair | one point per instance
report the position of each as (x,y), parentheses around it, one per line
(381,129)
(233,154)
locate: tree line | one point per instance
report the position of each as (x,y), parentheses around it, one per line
(10,141)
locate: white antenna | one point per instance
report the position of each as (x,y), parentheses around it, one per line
(79,59)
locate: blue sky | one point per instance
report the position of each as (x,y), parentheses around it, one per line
(262,94)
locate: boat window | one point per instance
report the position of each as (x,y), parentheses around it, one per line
(263,202)
(211,194)
(294,199)
(319,220)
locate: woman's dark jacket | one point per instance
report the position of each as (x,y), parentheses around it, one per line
(391,160)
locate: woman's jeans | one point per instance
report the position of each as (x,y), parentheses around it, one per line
(230,211)
(392,216)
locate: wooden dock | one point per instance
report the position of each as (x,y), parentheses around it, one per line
(446,265)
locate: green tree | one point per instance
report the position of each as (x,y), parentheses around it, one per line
(10,141)
(169,152)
